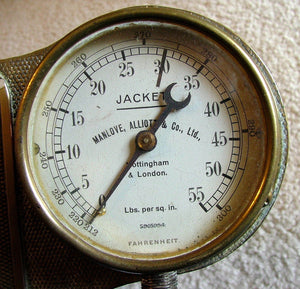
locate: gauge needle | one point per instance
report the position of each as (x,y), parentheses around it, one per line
(145,141)
(161,67)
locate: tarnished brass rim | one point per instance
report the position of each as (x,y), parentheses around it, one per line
(277,136)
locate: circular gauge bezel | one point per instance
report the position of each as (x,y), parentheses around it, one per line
(276,139)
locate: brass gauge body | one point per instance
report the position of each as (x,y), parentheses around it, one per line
(213,168)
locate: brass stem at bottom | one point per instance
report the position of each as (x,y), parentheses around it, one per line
(166,280)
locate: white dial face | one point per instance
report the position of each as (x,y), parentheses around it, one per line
(192,188)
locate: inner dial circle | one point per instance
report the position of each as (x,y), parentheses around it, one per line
(88,150)
(100,96)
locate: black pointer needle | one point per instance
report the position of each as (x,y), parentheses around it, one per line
(145,141)
(161,67)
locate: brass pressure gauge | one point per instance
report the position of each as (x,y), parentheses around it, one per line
(152,139)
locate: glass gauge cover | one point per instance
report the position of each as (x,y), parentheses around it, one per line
(201,191)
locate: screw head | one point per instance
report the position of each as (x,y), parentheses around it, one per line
(146,140)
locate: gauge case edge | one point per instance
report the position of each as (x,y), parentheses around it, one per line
(242,52)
